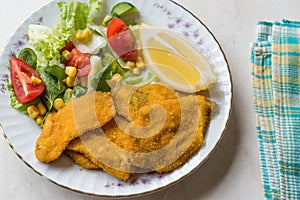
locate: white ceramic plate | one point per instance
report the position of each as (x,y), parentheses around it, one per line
(21,131)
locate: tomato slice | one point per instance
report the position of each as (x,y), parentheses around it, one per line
(69,46)
(121,39)
(20,74)
(84,71)
(81,61)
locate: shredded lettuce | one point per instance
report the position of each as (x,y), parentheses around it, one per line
(76,15)
(47,43)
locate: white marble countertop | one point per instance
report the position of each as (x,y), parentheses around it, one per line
(233,171)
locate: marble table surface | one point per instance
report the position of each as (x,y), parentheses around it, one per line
(233,171)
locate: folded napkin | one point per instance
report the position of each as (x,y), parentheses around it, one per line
(275,65)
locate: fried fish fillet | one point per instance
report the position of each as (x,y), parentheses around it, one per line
(80,115)
(152,129)
(179,138)
(189,140)
(81,160)
(96,147)
(129,99)
(171,147)
(165,130)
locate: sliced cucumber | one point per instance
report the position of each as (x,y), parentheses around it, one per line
(126,11)
(123,8)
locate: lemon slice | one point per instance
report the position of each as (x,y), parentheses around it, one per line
(174,60)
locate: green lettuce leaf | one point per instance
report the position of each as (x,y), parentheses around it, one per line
(22,107)
(28,56)
(68,95)
(76,15)
(79,91)
(99,83)
(53,78)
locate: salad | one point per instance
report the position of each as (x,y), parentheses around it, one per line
(82,53)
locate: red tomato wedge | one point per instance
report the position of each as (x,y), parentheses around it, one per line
(84,71)
(121,39)
(69,46)
(20,74)
(81,61)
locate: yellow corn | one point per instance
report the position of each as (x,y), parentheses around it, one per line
(32,111)
(58,104)
(70,81)
(130,64)
(106,19)
(83,81)
(39,119)
(41,108)
(84,36)
(114,80)
(140,63)
(136,71)
(71,71)
(66,54)
(116,77)
(35,80)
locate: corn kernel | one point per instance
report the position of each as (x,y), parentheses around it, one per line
(71,71)
(130,64)
(41,108)
(39,119)
(140,63)
(32,111)
(70,81)
(136,71)
(84,36)
(116,77)
(66,54)
(58,104)
(35,80)
(114,80)
(83,81)
(79,35)
(106,19)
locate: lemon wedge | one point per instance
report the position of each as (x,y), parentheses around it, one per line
(174,60)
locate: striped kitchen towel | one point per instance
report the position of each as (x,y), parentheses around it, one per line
(275,67)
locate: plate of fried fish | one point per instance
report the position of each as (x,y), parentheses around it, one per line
(114,98)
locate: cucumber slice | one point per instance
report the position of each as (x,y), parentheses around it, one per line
(123,8)
(126,11)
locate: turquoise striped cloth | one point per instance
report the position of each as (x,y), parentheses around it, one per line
(275,68)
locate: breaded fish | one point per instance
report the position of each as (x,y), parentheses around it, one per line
(81,160)
(153,129)
(188,142)
(96,147)
(158,147)
(170,148)
(129,99)
(83,114)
